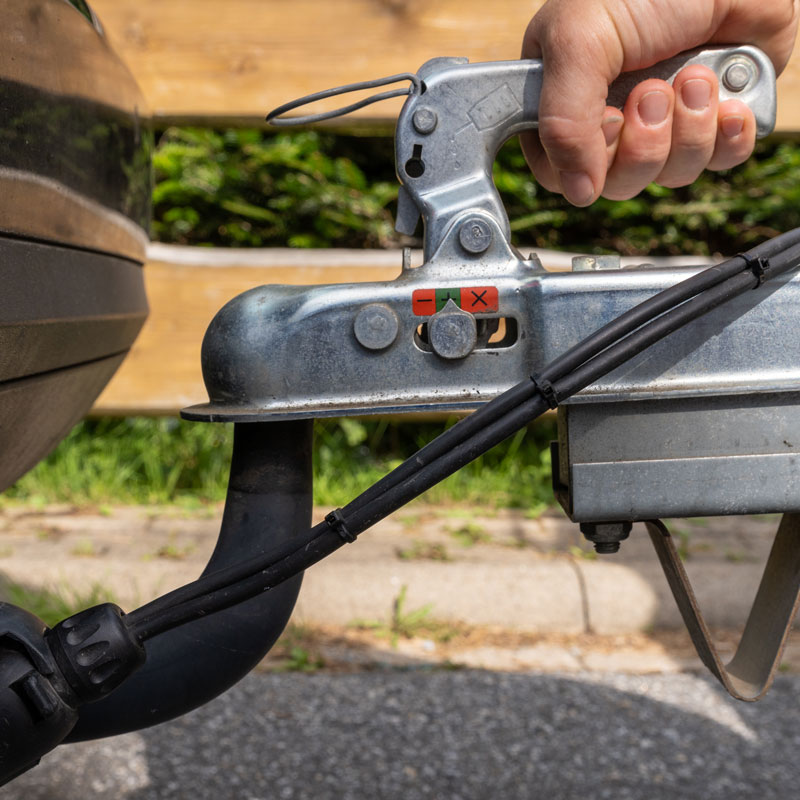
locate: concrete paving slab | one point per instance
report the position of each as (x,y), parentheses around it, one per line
(469,566)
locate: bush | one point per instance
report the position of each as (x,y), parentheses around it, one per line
(249,188)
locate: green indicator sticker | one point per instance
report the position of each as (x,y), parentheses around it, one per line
(443,295)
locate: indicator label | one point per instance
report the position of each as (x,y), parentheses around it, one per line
(475,299)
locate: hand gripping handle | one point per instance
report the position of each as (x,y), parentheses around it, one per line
(448,134)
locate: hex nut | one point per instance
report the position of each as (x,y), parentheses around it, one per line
(606,536)
(376,326)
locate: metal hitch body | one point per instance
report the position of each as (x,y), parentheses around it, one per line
(702,423)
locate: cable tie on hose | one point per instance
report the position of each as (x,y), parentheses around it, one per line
(336,522)
(546,390)
(758,266)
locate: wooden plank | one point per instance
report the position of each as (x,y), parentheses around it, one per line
(186,287)
(241,58)
(237,59)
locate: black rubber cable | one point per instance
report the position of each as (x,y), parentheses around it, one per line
(581,352)
(726,281)
(242,571)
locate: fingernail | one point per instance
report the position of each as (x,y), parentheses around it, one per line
(653,108)
(731,126)
(577,187)
(611,129)
(696,94)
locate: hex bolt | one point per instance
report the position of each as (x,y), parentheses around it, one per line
(376,326)
(452,332)
(606,536)
(738,75)
(425,120)
(475,235)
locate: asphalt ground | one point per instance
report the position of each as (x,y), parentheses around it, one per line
(453,735)
(580,693)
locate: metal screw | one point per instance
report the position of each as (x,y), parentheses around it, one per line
(592,263)
(376,326)
(452,332)
(606,536)
(475,235)
(738,75)
(425,120)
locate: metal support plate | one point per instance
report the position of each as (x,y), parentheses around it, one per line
(750,672)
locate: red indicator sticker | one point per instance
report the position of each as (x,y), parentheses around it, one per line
(423,302)
(479,298)
(475,299)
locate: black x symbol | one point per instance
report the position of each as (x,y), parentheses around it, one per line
(479,297)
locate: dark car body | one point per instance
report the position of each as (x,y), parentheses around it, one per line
(75,188)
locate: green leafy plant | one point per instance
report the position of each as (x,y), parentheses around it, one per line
(300,660)
(423,551)
(405,624)
(158,461)
(252,188)
(470,534)
(245,188)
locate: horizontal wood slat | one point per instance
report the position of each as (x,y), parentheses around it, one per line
(186,287)
(237,59)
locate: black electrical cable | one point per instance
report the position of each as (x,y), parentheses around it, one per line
(581,352)
(241,571)
(236,584)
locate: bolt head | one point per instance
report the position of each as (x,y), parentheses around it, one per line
(376,326)
(425,120)
(737,76)
(475,235)
(453,333)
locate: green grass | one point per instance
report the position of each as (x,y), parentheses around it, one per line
(52,604)
(167,461)
(408,624)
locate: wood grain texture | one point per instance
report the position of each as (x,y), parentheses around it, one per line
(186,287)
(240,58)
(237,59)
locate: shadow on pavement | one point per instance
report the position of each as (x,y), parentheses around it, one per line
(447,734)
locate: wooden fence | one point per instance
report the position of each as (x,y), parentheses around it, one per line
(229,61)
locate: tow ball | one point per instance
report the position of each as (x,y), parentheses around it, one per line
(678,394)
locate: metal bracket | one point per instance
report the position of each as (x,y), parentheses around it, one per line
(750,672)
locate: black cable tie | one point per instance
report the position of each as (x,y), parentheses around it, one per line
(758,266)
(546,390)
(336,522)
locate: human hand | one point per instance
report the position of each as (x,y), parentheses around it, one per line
(668,134)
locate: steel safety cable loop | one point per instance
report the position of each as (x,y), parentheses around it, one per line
(276,118)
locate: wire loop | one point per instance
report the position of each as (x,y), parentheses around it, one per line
(275,116)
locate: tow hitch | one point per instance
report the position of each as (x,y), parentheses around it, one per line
(678,393)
